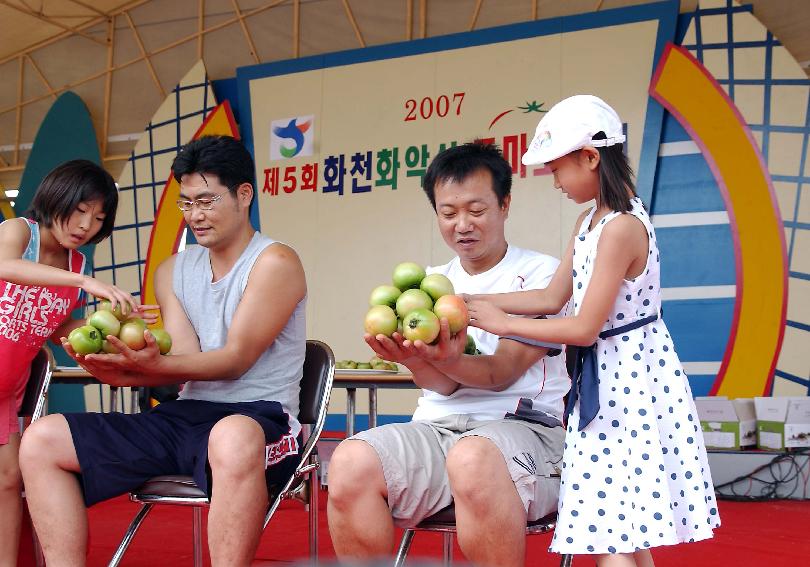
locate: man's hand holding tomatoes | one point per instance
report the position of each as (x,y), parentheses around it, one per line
(391,348)
(445,350)
(144,361)
(397,349)
(100,370)
(122,368)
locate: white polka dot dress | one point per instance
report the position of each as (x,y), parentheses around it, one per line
(636,476)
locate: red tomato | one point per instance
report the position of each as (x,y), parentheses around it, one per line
(136,320)
(452,308)
(131,334)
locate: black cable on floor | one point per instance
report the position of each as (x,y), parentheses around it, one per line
(783,471)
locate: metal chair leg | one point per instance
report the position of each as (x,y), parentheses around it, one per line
(198,550)
(447,549)
(566,560)
(127,539)
(314,490)
(404,547)
(113,399)
(133,400)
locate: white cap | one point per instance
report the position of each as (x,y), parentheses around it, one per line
(570,125)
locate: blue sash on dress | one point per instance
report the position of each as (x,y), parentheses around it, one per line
(585,379)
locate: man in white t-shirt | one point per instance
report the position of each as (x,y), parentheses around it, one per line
(486,435)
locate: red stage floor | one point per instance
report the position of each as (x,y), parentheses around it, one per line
(752,534)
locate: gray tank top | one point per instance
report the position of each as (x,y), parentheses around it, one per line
(210,306)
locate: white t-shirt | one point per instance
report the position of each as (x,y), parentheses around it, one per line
(545,383)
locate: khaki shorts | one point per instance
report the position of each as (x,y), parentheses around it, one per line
(413,457)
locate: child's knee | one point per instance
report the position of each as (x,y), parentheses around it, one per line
(40,439)
(10,477)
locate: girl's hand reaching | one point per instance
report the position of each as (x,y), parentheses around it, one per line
(116,296)
(486,316)
(149,313)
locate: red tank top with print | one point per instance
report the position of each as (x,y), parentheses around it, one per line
(30,314)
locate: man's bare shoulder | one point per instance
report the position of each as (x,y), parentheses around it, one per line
(279,264)
(278,255)
(166,267)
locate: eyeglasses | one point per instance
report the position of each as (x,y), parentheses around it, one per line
(203,204)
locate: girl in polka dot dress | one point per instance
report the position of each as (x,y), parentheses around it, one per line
(634,472)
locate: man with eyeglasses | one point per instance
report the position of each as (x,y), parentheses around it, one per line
(234,306)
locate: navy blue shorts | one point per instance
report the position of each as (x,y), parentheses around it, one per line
(119,452)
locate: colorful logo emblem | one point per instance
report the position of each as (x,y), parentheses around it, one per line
(541,140)
(532,106)
(291,137)
(544,140)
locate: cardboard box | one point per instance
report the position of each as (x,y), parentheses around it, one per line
(797,425)
(726,424)
(771,417)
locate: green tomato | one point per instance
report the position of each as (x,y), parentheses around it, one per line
(163,338)
(437,285)
(121,311)
(384,295)
(408,275)
(107,346)
(470,347)
(380,320)
(85,340)
(421,325)
(363,366)
(106,322)
(413,299)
